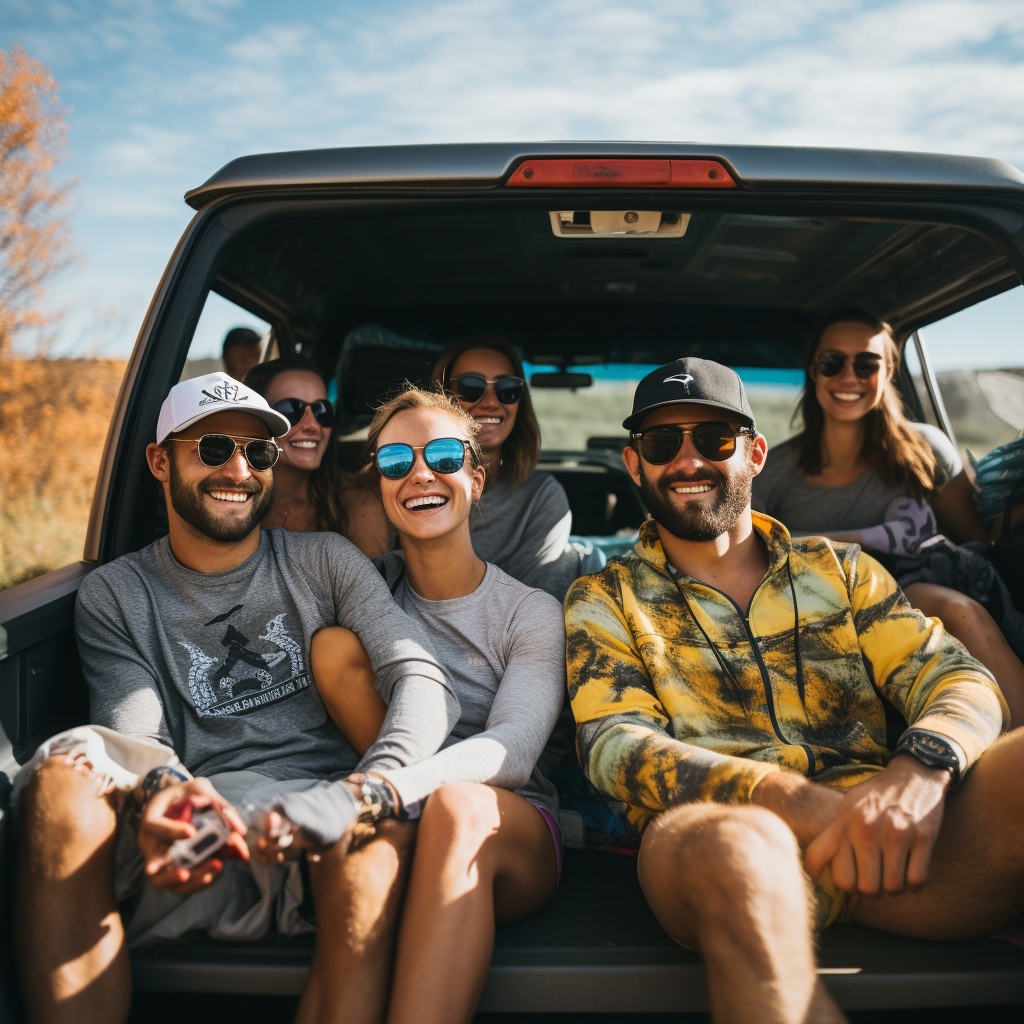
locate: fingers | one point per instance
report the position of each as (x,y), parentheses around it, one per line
(844,868)
(184,882)
(868,855)
(919,862)
(822,849)
(235,847)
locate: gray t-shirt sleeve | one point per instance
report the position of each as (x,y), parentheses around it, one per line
(525,709)
(544,558)
(422,707)
(123,692)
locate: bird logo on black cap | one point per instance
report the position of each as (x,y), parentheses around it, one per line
(680,378)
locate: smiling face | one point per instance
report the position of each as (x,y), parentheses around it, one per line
(846,396)
(224,503)
(424,505)
(495,420)
(692,497)
(304,445)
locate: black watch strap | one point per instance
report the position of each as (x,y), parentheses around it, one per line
(933,750)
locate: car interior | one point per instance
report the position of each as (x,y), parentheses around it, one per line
(373,298)
(371,291)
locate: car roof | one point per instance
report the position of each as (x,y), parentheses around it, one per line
(488,164)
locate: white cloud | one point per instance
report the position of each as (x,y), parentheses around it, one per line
(172,91)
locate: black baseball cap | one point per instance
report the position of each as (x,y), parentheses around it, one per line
(692,380)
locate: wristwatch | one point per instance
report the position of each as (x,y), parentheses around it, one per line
(932,750)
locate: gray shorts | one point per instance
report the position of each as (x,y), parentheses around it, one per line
(245,903)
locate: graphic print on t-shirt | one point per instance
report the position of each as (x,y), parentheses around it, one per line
(243,679)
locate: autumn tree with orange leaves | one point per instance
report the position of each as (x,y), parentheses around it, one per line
(34,237)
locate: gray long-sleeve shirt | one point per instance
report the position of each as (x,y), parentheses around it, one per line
(503,647)
(216,665)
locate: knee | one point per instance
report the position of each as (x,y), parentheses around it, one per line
(63,816)
(458,819)
(724,852)
(956,610)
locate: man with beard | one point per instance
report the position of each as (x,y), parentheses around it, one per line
(196,654)
(727,682)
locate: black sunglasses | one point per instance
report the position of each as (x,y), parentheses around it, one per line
(715,440)
(865,364)
(471,387)
(217,449)
(442,455)
(293,409)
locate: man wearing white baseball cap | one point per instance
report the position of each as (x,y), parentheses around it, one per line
(196,654)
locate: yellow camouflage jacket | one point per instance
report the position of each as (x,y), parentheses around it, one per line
(679,697)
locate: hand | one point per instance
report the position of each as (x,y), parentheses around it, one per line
(276,839)
(884,831)
(806,807)
(164,821)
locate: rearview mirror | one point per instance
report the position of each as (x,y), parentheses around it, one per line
(561,380)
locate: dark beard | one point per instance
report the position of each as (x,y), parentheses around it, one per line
(188,503)
(696,521)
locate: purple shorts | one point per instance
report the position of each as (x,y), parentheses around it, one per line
(556,838)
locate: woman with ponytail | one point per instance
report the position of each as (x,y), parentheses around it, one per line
(861,472)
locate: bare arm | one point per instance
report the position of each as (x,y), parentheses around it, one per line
(954,509)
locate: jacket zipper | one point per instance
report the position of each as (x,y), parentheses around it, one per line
(765,681)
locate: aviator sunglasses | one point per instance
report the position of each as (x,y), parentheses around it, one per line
(442,455)
(217,449)
(293,409)
(471,387)
(715,440)
(865,364)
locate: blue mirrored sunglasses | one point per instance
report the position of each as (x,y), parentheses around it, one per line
(442,455)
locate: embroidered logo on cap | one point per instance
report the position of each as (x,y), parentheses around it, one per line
(679,378)
(224,392)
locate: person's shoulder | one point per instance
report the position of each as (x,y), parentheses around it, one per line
(605,584)
(124,573)
(120,583)
(521,595)
(391,565)
(782,458)
(312,548)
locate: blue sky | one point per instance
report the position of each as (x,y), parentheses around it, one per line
(165,91)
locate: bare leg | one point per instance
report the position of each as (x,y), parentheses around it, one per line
(728,881)
(976,881)
(345,681)
(482,854)
(358,896)
(968,621)
(71,952)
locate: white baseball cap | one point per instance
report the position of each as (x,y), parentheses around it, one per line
(192,400)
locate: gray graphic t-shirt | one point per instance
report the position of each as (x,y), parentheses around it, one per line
(216,665)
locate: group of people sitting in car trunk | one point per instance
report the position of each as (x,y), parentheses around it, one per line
(374,737)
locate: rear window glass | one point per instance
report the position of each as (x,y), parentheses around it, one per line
(573,419)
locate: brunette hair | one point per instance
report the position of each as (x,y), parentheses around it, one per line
(898,452)
(419,398)
(521,449)
(329,481)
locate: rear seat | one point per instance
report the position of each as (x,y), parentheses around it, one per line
(597,948)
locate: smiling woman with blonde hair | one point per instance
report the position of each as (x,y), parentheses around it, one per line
(488,848)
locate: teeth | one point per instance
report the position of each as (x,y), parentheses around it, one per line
(304,444)
(692,489)
(486,421)
(427,501)
(846,396)
(230,495)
